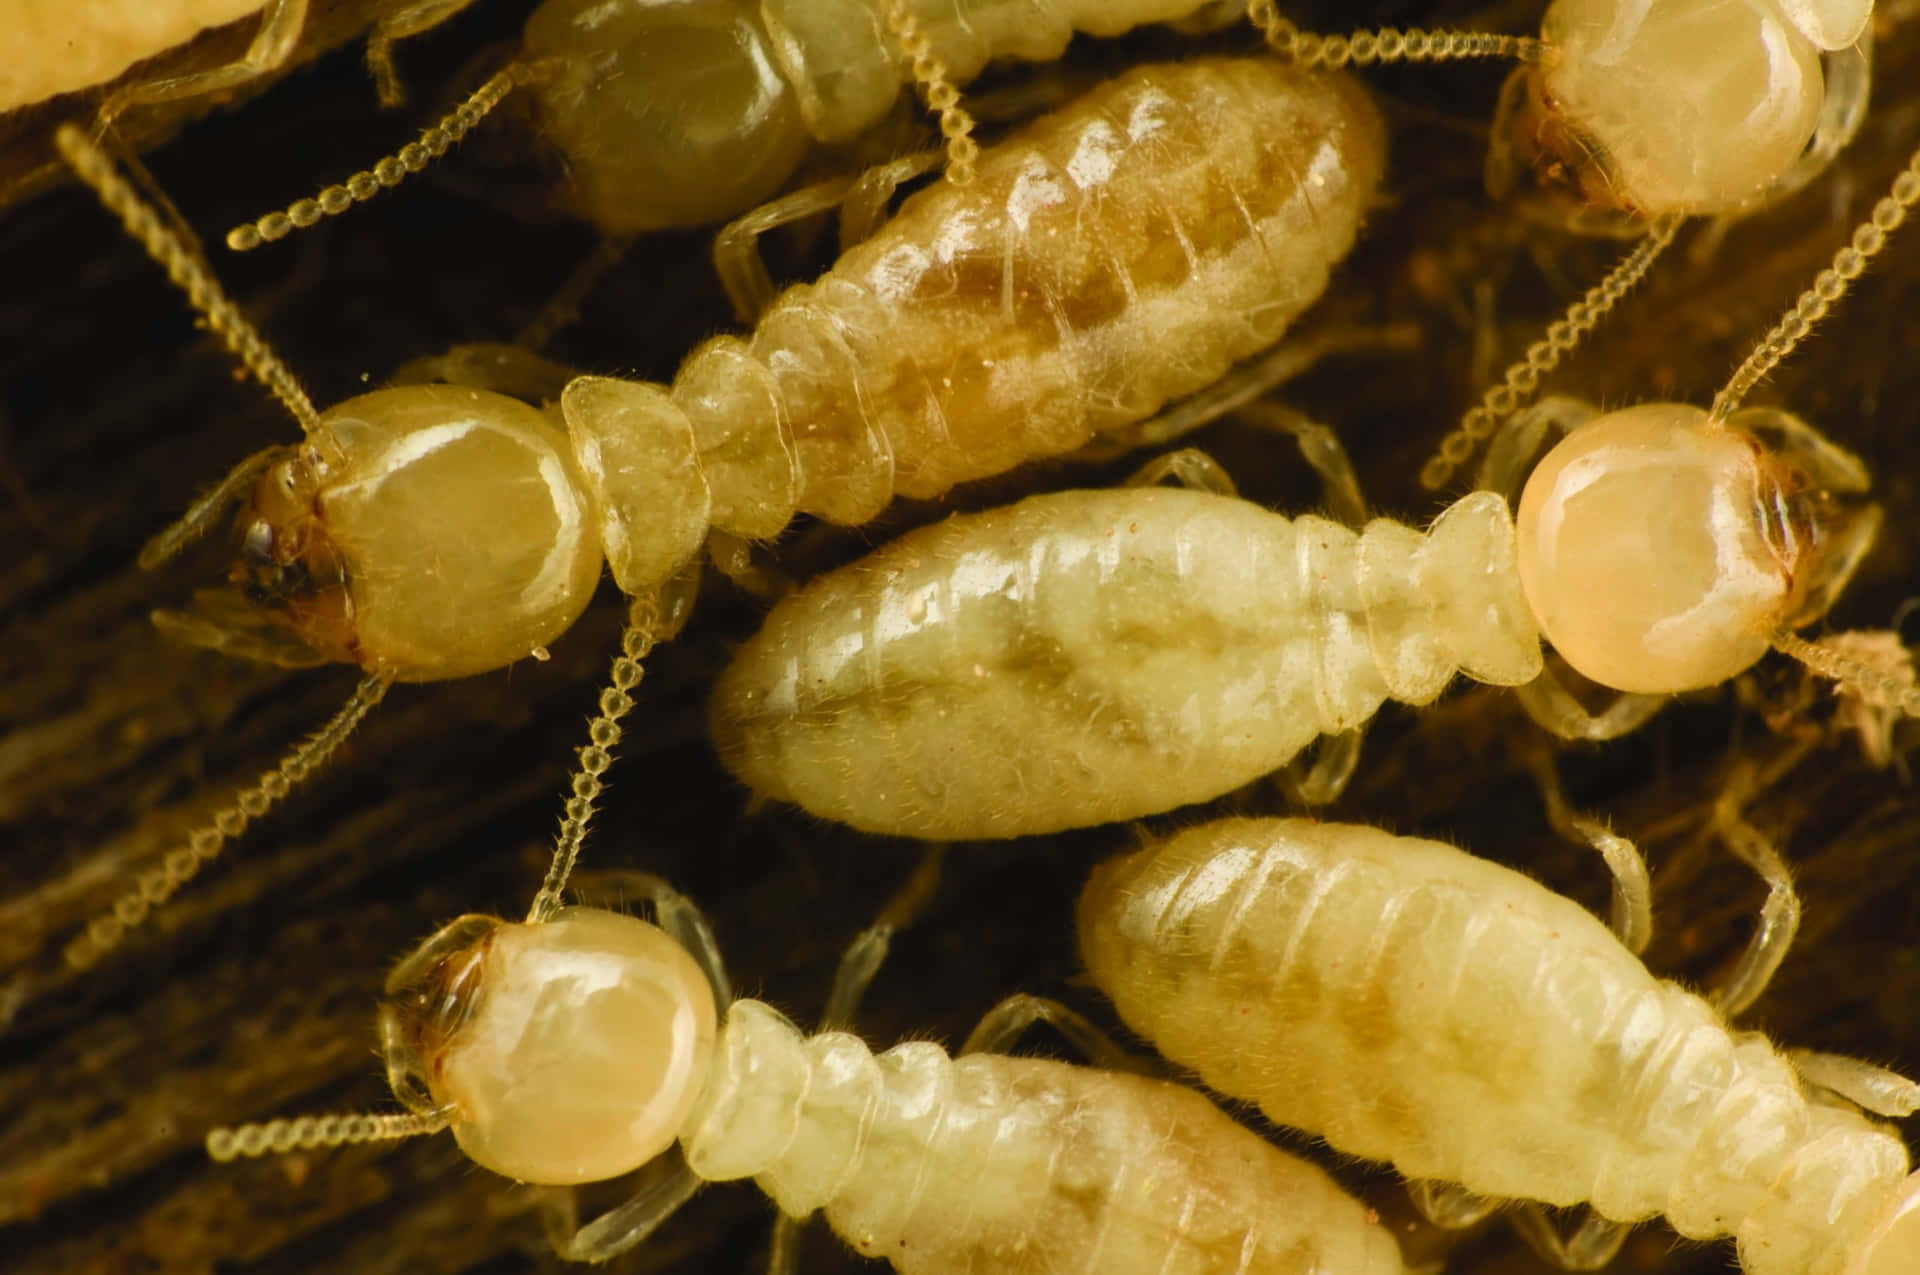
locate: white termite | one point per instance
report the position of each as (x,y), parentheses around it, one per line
(1083,657)
(1410,1002)
(691,113)
(1121,252)
(581,1046)
(1634,116)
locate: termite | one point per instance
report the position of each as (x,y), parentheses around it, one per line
(681,115)
(582,1044)
(1082,657)
(1410,1002)
(1124,251)
(1634,117)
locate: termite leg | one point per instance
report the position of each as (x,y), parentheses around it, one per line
(1593,1244)
(1320,447)
(562,309)
(618,1229)
(783,1251)
(863,199)
(281,22)
(1632,910)
(1335,760)
(1549,703)
(1875,1089)
(1504,162)
(863,957)
(400,25)
(865,207)
(1448,1205)
(673,912)
(1779,915)
(1248,383)
(1522,437)
(1190,467)
(736,249)
(732,556)
(1006,1022)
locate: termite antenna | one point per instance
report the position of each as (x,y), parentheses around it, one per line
(389,171)
(930,73)
(1874,686)
(1523,378)
(313,1133)
(1869,237)
(92,166)
(1364,48)
(651,618)
(204,844)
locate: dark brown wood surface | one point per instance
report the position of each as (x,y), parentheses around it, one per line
(254,994)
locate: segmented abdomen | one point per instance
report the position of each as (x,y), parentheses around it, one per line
(1088,656)
(1007,1165)
(1120,252)
(1414,1004)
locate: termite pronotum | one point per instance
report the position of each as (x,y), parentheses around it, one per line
(1082,657)
(1114,255)
(1412,1003)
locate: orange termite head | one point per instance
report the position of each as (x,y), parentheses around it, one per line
(1662,551)
(564,1051)
(1649,109)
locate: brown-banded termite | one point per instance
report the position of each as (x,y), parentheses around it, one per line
(688,114)
(1082,657)
(1123,251)
(1413,1003)
(1634,117)
(583,1044)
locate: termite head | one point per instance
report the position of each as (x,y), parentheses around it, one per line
(671,112)
(1649,109)
(1660,552)
(1892,1246)
(286,562)
(560,1052)
(425,532)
